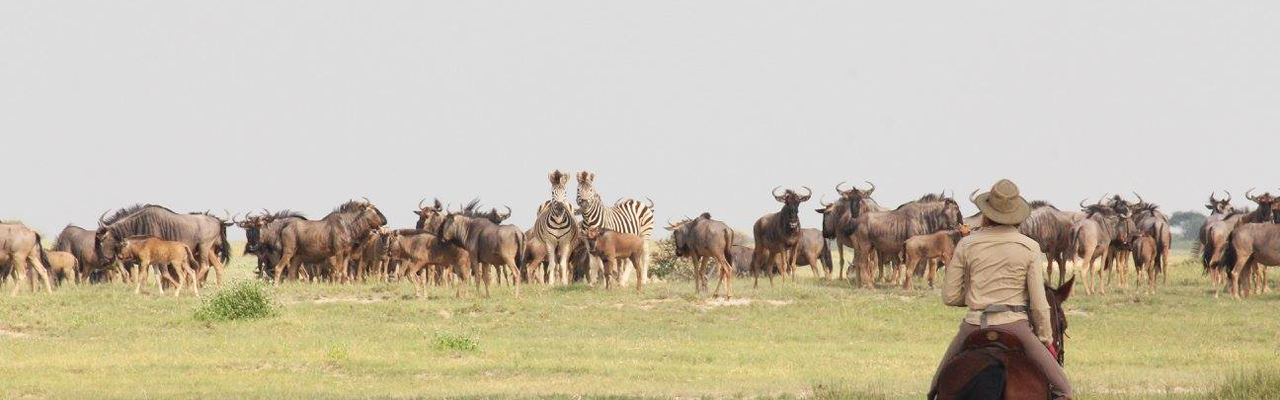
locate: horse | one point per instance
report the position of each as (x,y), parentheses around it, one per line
(993,365)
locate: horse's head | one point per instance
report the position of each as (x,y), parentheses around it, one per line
(1058,318)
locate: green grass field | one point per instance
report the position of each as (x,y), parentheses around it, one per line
(797,340)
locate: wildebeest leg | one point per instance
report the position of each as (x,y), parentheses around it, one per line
(638,260)
(19,270)
(144,270)
(216,262)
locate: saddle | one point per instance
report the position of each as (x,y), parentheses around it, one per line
(991,365)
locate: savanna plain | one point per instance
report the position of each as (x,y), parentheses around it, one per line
(811,338)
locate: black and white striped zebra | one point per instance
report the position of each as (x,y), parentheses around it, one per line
(626,215)
(556,228)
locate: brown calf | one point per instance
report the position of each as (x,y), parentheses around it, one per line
(937,246)
(1144,249)
(63,265)
(611,245)
(415,250)
(149,251)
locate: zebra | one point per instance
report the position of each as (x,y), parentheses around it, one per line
(626,215)
(556,229)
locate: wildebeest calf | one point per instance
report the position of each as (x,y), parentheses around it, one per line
(415,250)
(611,245)
(63,265)
(149,251)
(937,246)
(1144,250)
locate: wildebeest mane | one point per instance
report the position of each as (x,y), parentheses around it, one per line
(286,213)
(1041,203)
(130,210)
(64,240)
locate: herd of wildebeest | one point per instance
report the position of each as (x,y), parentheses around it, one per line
(600,244)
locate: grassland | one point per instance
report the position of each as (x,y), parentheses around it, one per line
(812,338)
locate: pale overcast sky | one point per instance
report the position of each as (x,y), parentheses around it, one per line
(700,105)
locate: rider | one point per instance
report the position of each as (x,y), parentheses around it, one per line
(993,273)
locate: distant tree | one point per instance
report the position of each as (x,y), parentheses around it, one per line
(1187,223)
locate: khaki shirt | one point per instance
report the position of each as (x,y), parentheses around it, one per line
(997,265)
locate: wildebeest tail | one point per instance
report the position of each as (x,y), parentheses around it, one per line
(44,257)
(191,257)
(1205,254)
(728,249)
(826,255)
(225,245)
(1159,258)
(1228,261)
(520,252)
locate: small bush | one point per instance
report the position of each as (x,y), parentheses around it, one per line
(1258,384)
(455,342)
(664,264)
(239,300)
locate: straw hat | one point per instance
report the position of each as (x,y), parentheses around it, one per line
(1003,204)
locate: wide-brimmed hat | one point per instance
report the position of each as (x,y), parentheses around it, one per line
(1003,204)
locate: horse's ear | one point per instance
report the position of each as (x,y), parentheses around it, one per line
(1064,291)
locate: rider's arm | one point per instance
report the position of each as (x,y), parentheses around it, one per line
(953,284)
(1039,306)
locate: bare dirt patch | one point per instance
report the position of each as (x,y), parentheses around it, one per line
(9,332)
(357,300)
(720,302)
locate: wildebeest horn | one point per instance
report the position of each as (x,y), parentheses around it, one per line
(424,199)
(233,218)
(838,190)
(650,202)
(807,193)
(508,214)
(366,200)
(228,214)
(102,218)
(1104,197)
(265,212)
(1211,199)
(1140,200)
(822,200)
(775,193)
(1082,206)
(868,191)
(1250,197)
(1228,196)
(972,198)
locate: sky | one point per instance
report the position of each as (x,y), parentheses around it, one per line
(699,105)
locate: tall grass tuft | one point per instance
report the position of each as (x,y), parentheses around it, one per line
(446,340)
(237,301)
(1258,384)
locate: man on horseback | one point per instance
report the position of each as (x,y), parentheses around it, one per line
(994,273)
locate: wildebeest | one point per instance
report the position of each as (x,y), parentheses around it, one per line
(1214,234)
(486,242)
(612,246)
(1094,236)
(63,265)
(885,233)
(20,249)
(1150,221)
(1051,228)
(838,220)
(742,259)
(1251,246)
(555,229)
(930,248)
(1268,210)
(205,236)
(163,254)
(626,215)
(262,234)
(535,253)
(1145,251)
(777,235)
(415,250)
(704,239)
(328,241)
(79,242)
(813,249)
(429,216)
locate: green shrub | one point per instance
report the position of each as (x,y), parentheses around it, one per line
(1257,384)
(664,264)
(446,340)
(238,300)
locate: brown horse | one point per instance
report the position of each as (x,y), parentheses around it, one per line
(992,364)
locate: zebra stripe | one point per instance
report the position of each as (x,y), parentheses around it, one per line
(627,216)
